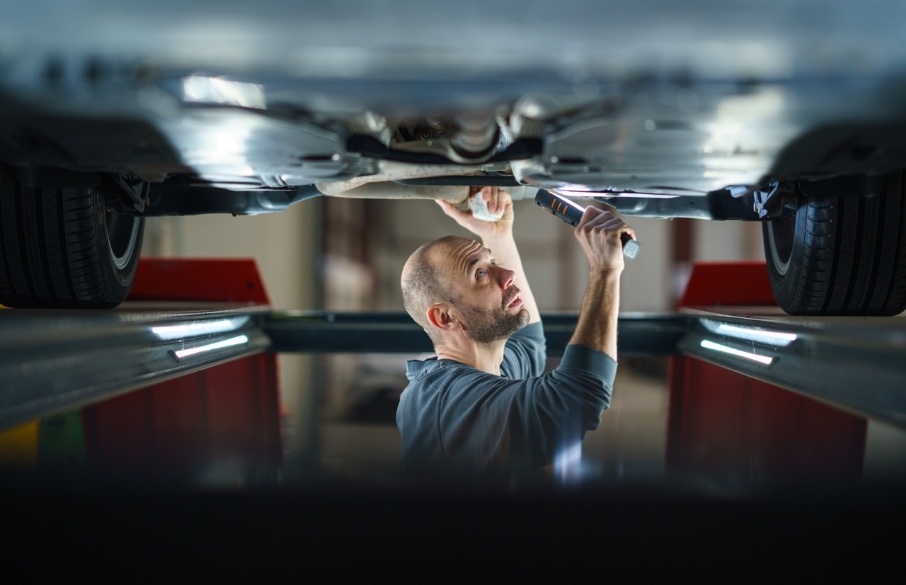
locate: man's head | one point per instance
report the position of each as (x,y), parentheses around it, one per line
(453,284)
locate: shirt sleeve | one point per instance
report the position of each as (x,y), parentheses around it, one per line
(527,422)
(525,353)
(554,412)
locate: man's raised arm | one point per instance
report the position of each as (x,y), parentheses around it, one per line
(599,233)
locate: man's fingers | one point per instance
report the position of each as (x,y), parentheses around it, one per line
(610,223)
(495,198)
(452,210)
(501,199)
(614,225)
(591,216)
(598,216)
(601,220)
(491,196)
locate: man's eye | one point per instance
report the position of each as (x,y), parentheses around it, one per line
(480,273)
(493,262)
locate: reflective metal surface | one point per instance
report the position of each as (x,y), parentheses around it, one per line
(51,361)
(654,94)
(852,363)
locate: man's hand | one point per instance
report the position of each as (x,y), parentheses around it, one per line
(599,234)
(497,200)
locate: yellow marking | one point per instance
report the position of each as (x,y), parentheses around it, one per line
(19,446)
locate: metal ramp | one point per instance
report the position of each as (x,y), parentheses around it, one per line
(51,361)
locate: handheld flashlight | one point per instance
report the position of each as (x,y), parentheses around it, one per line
(571,212)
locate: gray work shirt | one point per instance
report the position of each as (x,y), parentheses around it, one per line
(455,418)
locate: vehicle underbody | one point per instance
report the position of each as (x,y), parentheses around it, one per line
(815,155)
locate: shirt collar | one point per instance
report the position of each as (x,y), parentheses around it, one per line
(416,368)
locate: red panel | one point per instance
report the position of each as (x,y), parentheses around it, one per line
(225,416)
(178,406)
(228,413)
(724,426)
(239,415)
(120,434)
(185,279)
(728,283)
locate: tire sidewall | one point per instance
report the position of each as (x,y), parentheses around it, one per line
(116,281)
(786,285)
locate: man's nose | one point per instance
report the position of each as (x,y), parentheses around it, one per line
(506,277)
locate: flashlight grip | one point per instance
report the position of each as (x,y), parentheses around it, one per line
(571,213)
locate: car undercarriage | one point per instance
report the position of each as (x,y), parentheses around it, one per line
(720,112)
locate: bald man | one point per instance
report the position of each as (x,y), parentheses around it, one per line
(483,407)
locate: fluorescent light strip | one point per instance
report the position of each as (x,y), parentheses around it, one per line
(168,332)
(758,335)
(762,359)
(212,346)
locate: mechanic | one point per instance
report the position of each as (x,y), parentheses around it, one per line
(483,408)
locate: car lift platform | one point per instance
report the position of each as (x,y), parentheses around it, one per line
(56,360)
(183,393)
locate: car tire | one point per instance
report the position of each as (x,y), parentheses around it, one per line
(62,248)
(841,255)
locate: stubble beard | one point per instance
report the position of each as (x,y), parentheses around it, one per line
(489,326)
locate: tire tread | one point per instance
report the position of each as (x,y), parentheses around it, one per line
(850,258)
(50,254)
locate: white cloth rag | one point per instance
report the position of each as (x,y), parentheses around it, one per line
(479,209)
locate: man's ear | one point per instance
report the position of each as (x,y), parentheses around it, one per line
(441,317)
